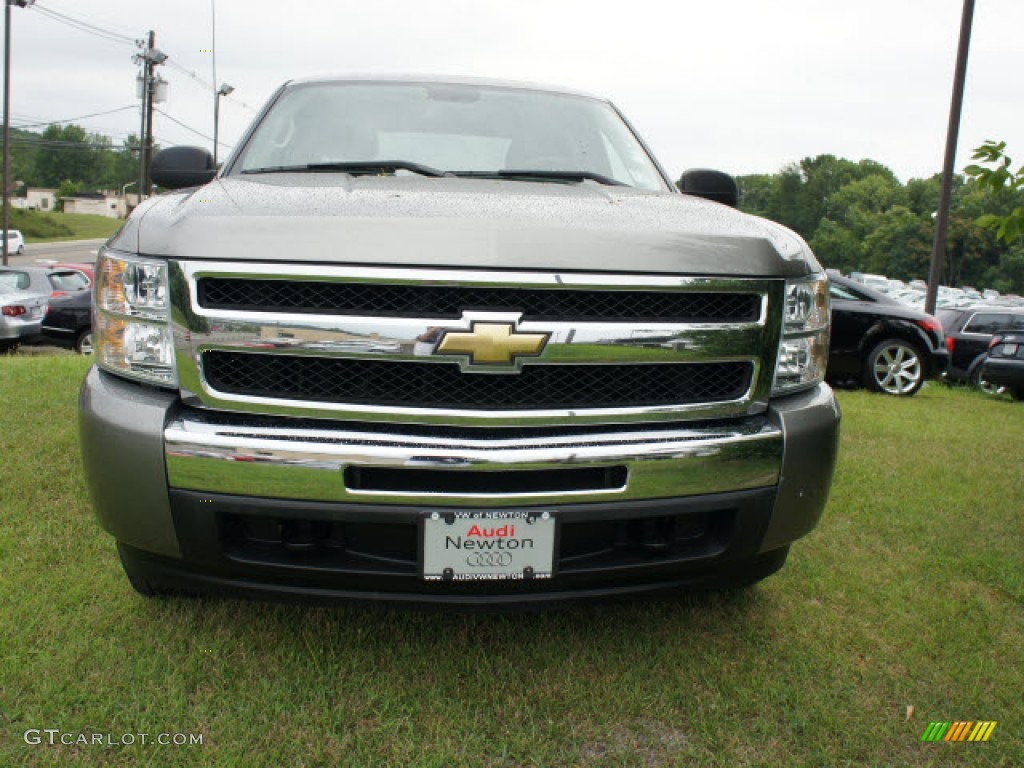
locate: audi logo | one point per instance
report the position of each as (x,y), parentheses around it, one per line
(489,559)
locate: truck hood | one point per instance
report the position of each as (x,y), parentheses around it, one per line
(460,223)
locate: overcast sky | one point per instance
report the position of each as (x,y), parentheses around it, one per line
(745,86)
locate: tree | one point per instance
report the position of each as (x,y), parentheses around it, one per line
(837,247)
(66,188)
(899,244)
(65,155)
(857,216)
(997,180)
(69,152)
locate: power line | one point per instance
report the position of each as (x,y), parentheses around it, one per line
(79,117)
(190,128)
(239,102)
(201,81)
(189,73)
(123,137)
(84,26)
(53,144)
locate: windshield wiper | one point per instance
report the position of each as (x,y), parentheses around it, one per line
(354,168)
(527,175)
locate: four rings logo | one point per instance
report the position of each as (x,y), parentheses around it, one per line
(489,559)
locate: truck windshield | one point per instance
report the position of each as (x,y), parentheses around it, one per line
(445,129)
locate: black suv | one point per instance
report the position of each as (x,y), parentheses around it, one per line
(879,343)
(968,334)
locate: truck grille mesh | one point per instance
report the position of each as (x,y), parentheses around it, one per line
(445,386)
(448,301)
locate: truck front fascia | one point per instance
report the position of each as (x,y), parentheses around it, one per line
(155,444)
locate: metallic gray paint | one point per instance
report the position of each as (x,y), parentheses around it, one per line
(121,431)
(810,424)
(329,218)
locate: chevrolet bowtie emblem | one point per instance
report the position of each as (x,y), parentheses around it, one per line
(492,343)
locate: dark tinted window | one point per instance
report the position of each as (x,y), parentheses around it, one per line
(68,281)
(987,322)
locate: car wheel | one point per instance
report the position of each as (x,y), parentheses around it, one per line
(21,250)
(8,347)
(1017,393)
(983,384)
(83,344)
(894,367)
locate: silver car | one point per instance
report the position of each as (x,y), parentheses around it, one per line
(53,281)
(21,314)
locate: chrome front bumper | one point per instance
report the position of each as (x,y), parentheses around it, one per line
(310,464)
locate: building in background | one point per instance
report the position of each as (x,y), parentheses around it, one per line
(108,204)
(38,199)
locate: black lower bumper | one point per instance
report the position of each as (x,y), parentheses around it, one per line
(1004,372)
(325,552)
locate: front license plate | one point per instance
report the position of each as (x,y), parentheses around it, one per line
(488,545)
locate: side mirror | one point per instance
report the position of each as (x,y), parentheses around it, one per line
(180,167)
(711,185)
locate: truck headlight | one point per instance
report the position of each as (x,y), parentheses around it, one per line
(132,319)
(803,348)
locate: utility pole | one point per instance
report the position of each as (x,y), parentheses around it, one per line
(149,89)
(952,133)
(7,119)
(149,59)
(144,92)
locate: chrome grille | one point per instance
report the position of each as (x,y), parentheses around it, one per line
(362,344)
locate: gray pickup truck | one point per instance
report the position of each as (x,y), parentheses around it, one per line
(452,341)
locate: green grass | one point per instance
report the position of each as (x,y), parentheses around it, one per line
(908,594)
(43,227)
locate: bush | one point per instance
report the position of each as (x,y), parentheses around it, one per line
(35,224)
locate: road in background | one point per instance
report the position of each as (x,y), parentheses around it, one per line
(64,252)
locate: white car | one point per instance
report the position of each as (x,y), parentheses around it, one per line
(15,242)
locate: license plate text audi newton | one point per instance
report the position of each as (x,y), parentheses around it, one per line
(488,545)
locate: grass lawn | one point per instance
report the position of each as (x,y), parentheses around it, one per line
(43,227)
(909,594)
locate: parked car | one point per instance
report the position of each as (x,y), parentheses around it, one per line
(1003,366)
(85,268)
(880,343)
(21,314)
(53,281)
(969,332)
(15,242)
(69,322)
